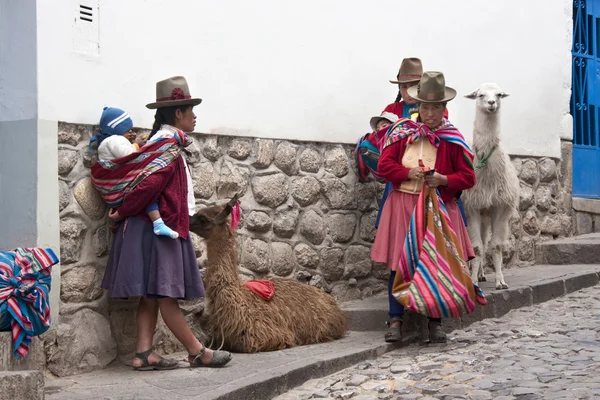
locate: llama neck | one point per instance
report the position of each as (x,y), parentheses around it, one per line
(221,262)
(486,131)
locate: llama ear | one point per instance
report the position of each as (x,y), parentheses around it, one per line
(472,95)
(233,200)
(503,95)
(226,211)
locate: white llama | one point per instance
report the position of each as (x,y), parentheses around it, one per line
(495,196)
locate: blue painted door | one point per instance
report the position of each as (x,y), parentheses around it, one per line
(585,98)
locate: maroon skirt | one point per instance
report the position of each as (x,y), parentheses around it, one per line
(144,264)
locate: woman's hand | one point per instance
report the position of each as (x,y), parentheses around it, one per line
(114,215)
(415,174)
(436,180)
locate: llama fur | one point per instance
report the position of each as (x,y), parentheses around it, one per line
(298,314)
(494,199)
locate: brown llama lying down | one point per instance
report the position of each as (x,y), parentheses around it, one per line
(298,314)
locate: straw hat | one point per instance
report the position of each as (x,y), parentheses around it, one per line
(173,92)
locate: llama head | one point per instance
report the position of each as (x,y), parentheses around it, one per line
(488,97)
(210,220)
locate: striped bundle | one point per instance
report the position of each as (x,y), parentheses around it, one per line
(432,277)
(114,179)
(25,279)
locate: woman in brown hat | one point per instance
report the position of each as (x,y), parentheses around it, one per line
(411,70)
(159,269)
(412,149)
(409,75)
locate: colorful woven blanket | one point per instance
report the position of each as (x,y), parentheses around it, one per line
(407,128)
(114,179)
(367,152)
(25,279)
(432,278)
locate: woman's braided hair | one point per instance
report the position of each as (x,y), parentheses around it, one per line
(166,115)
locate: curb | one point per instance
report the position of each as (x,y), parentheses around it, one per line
(289,377)
(499,302)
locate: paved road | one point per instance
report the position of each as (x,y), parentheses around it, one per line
(550,351)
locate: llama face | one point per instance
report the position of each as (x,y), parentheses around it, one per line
(204,222)
(488,97)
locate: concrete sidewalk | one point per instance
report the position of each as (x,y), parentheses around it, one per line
(265,375)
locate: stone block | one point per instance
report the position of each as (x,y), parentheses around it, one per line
(545,291)
(584,223)
(35,359)
(310,160)
(270,190)
(506,300)
(22,385)
(575,250)
(312,227)
(575,283)
(336,161)
(89,200)
(264,151)
(81,343)
(285,158)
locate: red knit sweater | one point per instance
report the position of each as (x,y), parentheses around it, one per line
(449,161)
(167,185)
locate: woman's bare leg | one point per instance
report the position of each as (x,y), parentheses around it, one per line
(147,316)
(173,317)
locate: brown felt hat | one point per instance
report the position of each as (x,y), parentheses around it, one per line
(172,92)
(411,70)
(432,89)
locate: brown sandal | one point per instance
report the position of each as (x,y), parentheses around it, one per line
(162,364)
(220,359)
(394,333)
(436,334)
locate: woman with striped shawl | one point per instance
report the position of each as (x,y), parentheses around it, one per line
(421,235)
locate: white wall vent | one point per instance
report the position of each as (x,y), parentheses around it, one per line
(86,13)
(86,33)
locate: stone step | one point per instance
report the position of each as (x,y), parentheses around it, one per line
(583,249)
(527,286)
(35,360)
(22,385)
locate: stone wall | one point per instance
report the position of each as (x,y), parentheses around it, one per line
(304,216)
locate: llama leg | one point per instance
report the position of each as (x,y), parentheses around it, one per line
(500,233)
(485,236)
(474,229)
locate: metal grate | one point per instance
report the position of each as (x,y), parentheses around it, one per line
(585,98)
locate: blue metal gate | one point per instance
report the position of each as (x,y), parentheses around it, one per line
(585,98)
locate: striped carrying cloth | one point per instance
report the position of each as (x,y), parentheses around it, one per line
(25,279)
(432,278)
(406,127)
(114,179)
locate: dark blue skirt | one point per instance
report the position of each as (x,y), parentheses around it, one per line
(144,264)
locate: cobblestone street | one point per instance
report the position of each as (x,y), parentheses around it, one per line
(550,351)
